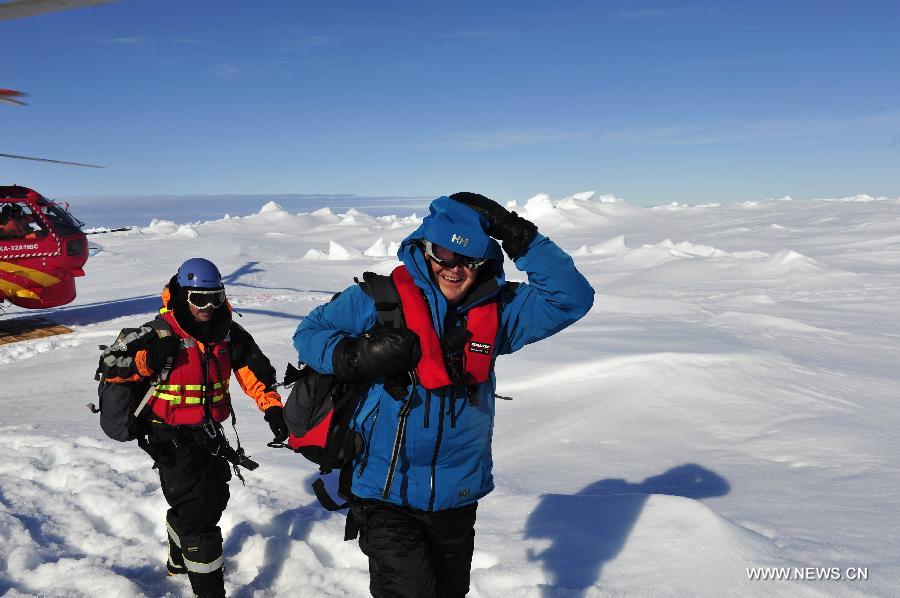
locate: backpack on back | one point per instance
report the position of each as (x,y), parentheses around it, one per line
(320,406)
(122,401)
(317,413)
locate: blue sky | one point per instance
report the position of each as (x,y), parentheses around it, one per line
(654,102)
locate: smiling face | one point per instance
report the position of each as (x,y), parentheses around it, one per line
(454,282)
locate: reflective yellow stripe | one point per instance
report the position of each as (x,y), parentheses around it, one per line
(196,387)
(187,400)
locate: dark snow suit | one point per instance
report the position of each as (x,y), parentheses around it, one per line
(193,474)
(195,485)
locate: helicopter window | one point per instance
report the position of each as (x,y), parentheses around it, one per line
(18,221)
(64,223)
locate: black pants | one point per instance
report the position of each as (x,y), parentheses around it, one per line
(195,484)
(416,554)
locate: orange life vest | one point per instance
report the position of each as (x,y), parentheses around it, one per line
(198,374)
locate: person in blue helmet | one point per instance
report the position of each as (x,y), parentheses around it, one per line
(426,422)
(188,354)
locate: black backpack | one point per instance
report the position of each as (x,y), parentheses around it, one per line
(320,406)
(121,403)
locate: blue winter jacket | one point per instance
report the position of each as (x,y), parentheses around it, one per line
(444,458)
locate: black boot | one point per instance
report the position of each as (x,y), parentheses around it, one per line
(175,562)
(208,585)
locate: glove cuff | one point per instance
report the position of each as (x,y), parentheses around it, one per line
(273,401)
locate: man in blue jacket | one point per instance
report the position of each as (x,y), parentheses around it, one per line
(426,423)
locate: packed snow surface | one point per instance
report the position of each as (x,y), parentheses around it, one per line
(729,403)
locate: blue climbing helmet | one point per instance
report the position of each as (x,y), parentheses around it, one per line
(199,273)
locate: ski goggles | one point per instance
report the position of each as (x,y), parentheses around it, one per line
(206,299)
(449,258)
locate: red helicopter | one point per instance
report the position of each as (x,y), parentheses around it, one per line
(42,246)
(42,249)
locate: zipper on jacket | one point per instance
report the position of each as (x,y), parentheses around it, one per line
(427,406)
(204,399)
(454,396)
(437,448)
(365,458)
(398,442)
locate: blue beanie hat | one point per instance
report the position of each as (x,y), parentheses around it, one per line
(458,227)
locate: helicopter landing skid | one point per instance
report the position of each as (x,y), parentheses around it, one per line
(23,329)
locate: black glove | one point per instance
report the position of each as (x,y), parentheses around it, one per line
(383,353)
(515,232)
(275,416)
(160,351)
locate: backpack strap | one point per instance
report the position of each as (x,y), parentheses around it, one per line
(325,499)
(163,330)
(389,313)
(388,308)
(345,480)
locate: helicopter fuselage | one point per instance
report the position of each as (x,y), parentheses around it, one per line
(42,250)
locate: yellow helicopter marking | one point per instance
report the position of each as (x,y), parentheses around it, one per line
(13,290)
(42,278)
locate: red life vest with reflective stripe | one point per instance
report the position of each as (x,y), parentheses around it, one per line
(481,321)
(178,400)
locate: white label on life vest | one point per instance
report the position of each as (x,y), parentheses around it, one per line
(483,348)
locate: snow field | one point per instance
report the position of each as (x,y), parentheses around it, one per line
(728,403)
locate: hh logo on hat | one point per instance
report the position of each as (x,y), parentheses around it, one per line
(460,240)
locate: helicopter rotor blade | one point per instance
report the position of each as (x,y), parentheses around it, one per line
(7,97)
(26,8)
(51,161)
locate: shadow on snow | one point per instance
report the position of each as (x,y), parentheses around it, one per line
(101,311)
(233,280)
(588,529)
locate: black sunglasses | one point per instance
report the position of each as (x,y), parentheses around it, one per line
(449,258)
